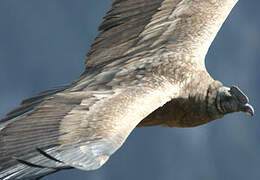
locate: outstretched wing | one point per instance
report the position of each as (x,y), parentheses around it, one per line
(76,129)
(83,124)
(181,28)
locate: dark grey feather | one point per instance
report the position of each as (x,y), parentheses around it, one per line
(127,18)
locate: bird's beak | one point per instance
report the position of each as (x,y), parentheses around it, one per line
(243,100)
(248,109)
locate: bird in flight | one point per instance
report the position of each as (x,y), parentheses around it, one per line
(145,68)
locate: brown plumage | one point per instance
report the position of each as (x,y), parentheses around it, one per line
(145,68)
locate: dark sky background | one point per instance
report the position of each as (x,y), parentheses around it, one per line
(43,44)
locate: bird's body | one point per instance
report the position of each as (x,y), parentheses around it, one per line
(145,68)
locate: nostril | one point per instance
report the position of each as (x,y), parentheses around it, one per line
(241,97)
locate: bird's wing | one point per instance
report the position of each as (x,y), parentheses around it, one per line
(141,27)
(82,125)
(75,128)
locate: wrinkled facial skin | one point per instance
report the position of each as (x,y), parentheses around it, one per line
(233,100)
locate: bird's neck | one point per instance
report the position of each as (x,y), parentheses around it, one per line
(194,106)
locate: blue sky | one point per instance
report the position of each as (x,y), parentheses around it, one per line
(43,44)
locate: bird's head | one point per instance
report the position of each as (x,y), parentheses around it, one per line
(232,99)
(219,101)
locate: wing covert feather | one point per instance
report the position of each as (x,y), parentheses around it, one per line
(78,129)
(183,28)
(108,122)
